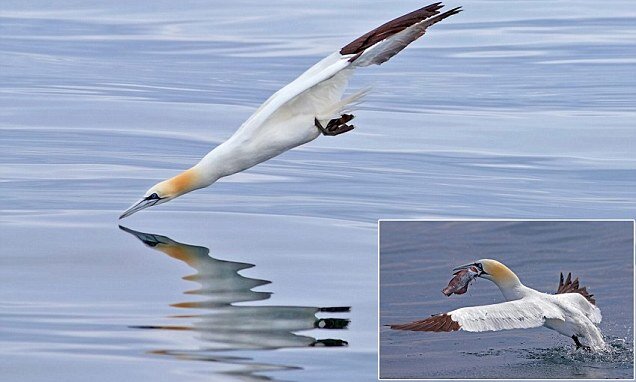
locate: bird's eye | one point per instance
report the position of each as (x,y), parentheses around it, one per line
(154,196)
(481,268)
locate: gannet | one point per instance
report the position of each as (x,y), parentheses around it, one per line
(309,106)
(571,312)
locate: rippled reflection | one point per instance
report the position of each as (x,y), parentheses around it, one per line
(224,326)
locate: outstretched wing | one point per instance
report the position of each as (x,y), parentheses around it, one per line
(438,323)
(578,303)
(324,70)
(387,40)
(569,286)
(518,314)
(332,73)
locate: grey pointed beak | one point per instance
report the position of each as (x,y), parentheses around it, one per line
(138,206)
(465,266)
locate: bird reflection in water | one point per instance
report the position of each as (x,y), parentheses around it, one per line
(225,326)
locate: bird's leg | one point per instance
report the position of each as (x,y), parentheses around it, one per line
(335,126)
(320,127)
(578,344)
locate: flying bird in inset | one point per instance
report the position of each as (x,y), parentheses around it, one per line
(309,106)
(572,311)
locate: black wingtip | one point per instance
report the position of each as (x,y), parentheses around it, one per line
(573,286)
(430,8)
(449,13)
(386,30)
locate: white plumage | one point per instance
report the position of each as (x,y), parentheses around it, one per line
(284,121)
(520,314)
(570,312)
(297,113)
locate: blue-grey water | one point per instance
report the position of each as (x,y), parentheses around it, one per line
(516,109)
(416,259)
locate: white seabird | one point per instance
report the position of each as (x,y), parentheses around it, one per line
(571,312)
(298,113)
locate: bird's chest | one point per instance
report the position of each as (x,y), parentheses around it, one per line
(273,138)
(566,327)
(287,133)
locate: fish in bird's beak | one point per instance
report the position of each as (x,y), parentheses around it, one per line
(463,276)
(138,206)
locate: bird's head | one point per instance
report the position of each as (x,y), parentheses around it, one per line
(166,190)
(492,270)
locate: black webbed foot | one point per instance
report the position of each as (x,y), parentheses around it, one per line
(336,126)
(579,344)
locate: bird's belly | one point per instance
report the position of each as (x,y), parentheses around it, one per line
(583,329)
(564,327)
(270,141)
(278,139)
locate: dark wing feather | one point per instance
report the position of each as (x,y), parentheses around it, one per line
(438,323)
(397,25)
(569,286)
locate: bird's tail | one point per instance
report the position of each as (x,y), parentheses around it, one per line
(345,105)
(569,286)
(387,40)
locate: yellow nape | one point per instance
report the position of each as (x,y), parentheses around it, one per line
(498,272)
(181,183)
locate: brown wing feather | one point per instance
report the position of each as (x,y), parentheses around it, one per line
(397,25)
(438,323)
(569,286)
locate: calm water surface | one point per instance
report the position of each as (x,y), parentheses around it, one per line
(522,109)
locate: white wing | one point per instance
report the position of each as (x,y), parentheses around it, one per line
(318,90)
(578,303)
(322,71)
(518,314)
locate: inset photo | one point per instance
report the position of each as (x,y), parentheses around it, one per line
(506,299)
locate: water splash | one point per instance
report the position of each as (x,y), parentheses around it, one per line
(565,360)
(620,351)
